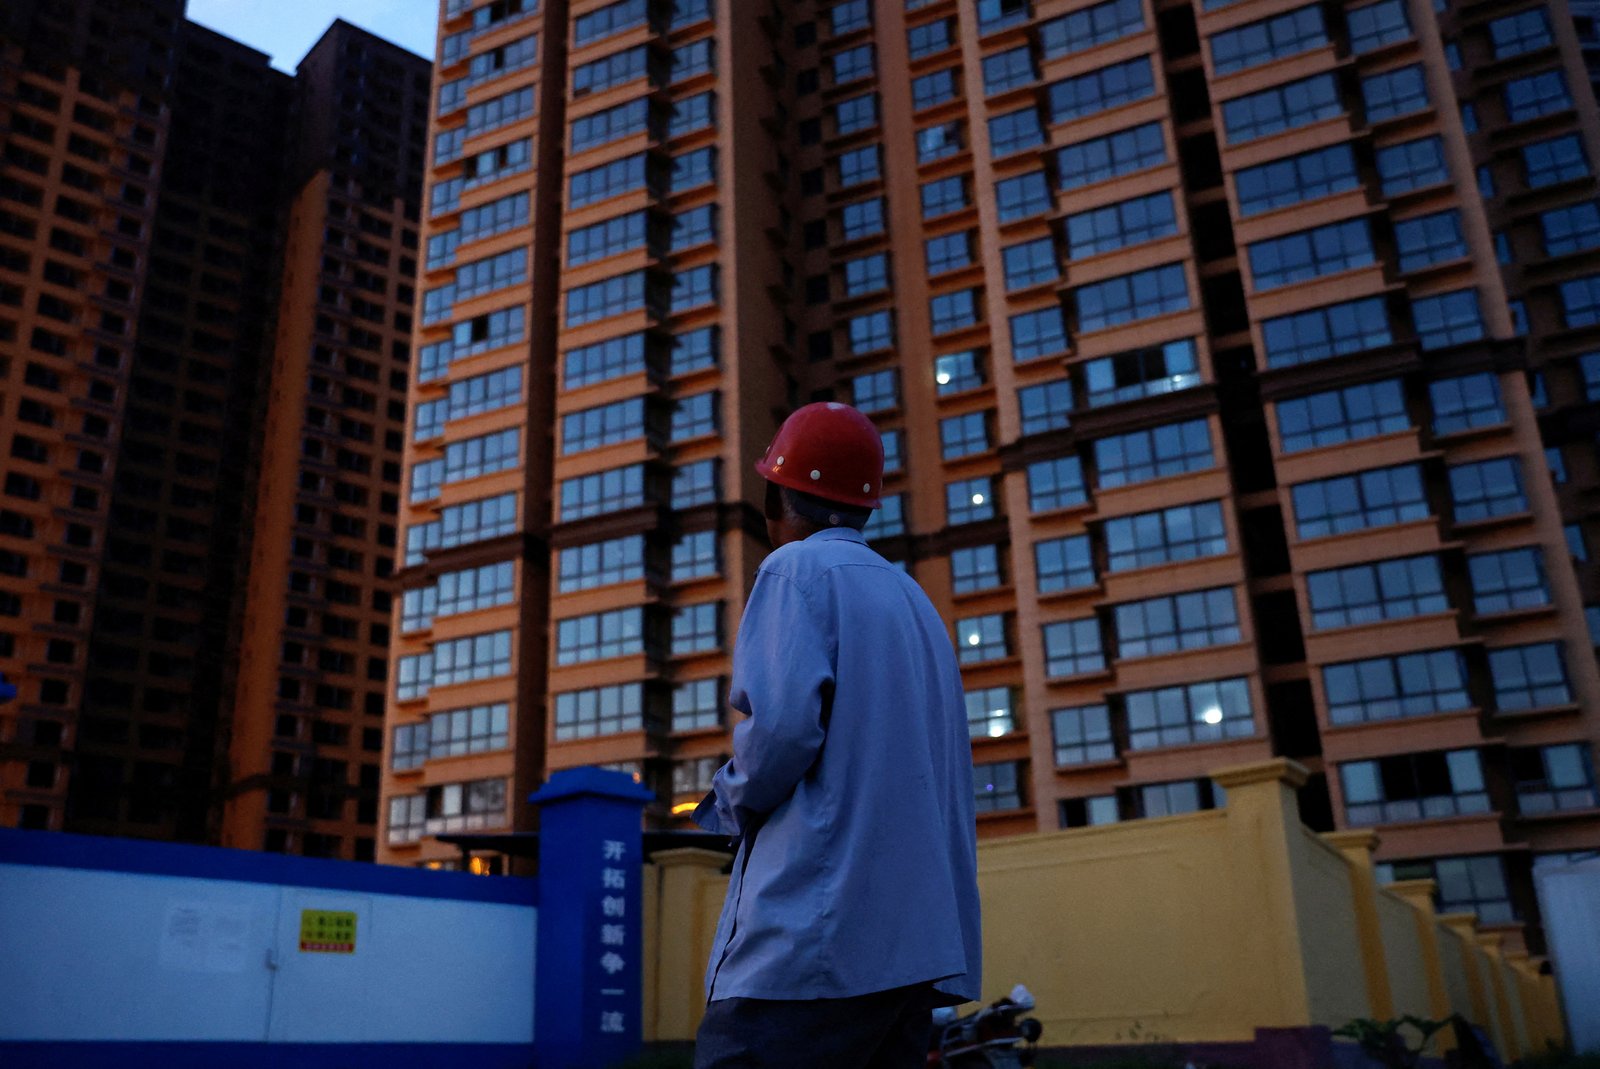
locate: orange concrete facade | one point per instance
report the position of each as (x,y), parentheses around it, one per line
(1228,420)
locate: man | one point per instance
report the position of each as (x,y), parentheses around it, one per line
(852,910)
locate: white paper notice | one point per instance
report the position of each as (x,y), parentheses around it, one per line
(205,937)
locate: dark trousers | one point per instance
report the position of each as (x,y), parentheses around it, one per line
(883,1030)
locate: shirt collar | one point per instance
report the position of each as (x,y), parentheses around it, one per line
(831,534)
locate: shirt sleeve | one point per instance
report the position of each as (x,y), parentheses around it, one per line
(782,676)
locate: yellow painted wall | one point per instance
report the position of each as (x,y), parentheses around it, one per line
(1202,927)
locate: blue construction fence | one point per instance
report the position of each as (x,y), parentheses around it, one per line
(125,953)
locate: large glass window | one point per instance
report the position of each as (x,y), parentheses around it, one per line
(948,252)
(1294,179)
(1375,25)
(1039,333)
(1529,677)
(1072,648)
(1110,155)
(472,589)
(1378,590)
(982,638)
(989,712)
(1267,39)
(1446,319)
(953,311)
(853,63)
(696,555)
(943,196)
(860,165)
(1379,497)
(1172,449)
(1571,229)
(694,484)
(606,298)
(1197,712)
(866,274)
(1396,92)
(870,333)
(1098,90)
(592,428)
(1486,489)
(1551,778)
(1142,373)
(957,372)
(1558,159)
(969,500)
(888,519)
(601,635)
(963,435)
(855,113)
(1335,416)
(1056,484)
(1176,622)
(485,393)
(933,89)
(1282,107)
(1008,70)
(697,704)
(1508,580)
(1021,196)
(582,714)
(1323,250)
(1015,131)
(609,20)
(610,124)
(1580,301)
(1426,240)
(1536,95)
(692,169)
(1082,735)
(1389,688)
(862,219)
(604,360)
(930,37)
(476,729)
(1090,26)
(694,416)
(1320,333)
(463,660)
(1412,165)
(1127,298)
(1466,401)
(975,568)
(875,391)
(483,455)
(1116,226)
(606,180)
(602,492)
(1063,564)
(1410,787)
(616,560)
(697,628)
(996,786)
(1182,532)
(1030,263)
(1046,406)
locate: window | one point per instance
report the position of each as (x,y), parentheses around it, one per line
(1268,39)
(953,311)
(693,288)
(975,568)
(695,484)
(1282,107)
(930,37)
(611,124)
(606,298)
(1139,456)
(949,252)
(417,608)
(1466,885)
(696,57)
(1090,26)
(1536,95)
(696,705)
(989,712)
(693,350)
(1014,131)
(606,181)
(996,786)
(1556,461)
(608,238)
(871,333)
(964,435)
(866,274)
(1082,735)
(862,219)
(1036,334)
(1396,92)
(697,226)
(617,633)
(1072,648)
(1410,787)
(1465,402)
(1021,196)
(1045,407)
(692,169)
(476,729)
(1571,229)
(695,556)
(499,111)
(484,455)
(888,520)
(1320,333)
(471,521)
(969,500)
(605,425)
(893,457)
(1197,712)
(1142,373)
(694,416)
(1379,497)
(932,89)
(1509,580)
(1376,25)
(1008,70)
(697,628)
(1580,301)
(1487,489)
(1559,159)
(407,817)
(609,20)
(997,14)
(1526,31)
(1412,165)
(463,660)
(1182,532)
(1176,622)
(410,748)
(485,393)
(856,113)
(616,560)
(1381,590)
(1063,564)
(478,588)
(615,69)
(1295,179)
(875,391)
(1056,484)
(1529,677)
(1098,90)
(1324,250)
(1127,298)
(1030,263)
(609,359)
(849,16)
(1552,778)
(859,165)
(583,714)
(943,196)
(956,372)
(1429,239)
(1116,226)
(981,638)
(602,492)
(853,63)
(1345,415)
(1100,158)
(1388,688)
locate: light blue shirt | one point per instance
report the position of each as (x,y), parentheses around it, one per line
(850,787)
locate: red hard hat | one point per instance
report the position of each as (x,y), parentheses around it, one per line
(830,450)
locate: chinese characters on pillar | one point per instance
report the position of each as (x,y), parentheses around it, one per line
(612,933)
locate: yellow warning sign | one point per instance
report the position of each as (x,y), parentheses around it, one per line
(327,931)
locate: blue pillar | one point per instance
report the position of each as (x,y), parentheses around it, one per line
(587,981)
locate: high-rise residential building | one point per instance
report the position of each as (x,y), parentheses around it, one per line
(187,230)
(1235,359)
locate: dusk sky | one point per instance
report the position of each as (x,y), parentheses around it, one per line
(286,29)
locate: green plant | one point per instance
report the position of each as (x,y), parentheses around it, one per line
(1387,1041)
